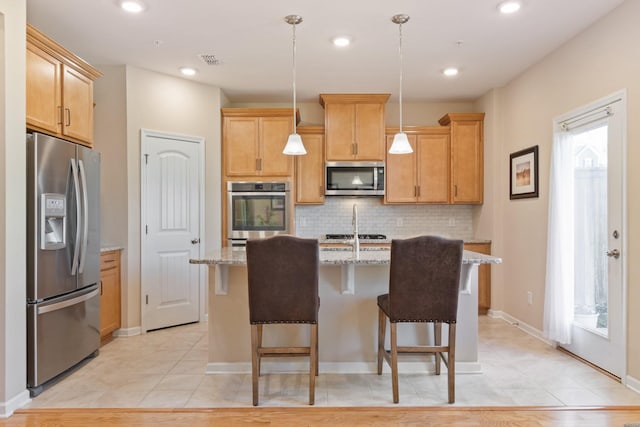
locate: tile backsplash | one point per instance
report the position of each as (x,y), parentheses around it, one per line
(395,221)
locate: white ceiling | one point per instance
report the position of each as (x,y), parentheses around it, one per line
(253,42)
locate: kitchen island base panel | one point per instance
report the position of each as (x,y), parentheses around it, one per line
(347,323)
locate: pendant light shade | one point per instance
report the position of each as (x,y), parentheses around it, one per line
(294,146)
(400,143)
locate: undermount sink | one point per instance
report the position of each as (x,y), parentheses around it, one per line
(349,248)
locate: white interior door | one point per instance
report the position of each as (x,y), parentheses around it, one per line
(171,228)
(598,328)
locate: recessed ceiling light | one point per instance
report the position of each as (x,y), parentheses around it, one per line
(342,41)
(510,6)
(132,6)
(450,72)
(188,71)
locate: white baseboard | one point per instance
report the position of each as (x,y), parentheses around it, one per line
(7,408)
(337,367)
(127,332)
(632,383)
(521,325)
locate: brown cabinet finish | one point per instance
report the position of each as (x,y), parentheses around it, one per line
(253,140)
(484,276)
(467,156)
(309,169)
(110,309)
(422,176)
(354,126)
(59,90)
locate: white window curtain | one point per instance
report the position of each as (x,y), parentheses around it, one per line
(558,300)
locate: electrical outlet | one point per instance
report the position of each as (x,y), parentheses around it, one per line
(398,222)
(452,222)
(529,297)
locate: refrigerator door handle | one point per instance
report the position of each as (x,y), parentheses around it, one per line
(68,303)
(76,247)
(85,216)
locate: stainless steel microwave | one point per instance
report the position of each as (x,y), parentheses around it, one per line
(354,178)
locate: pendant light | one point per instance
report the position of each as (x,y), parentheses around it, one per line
(400,143)
(294,146)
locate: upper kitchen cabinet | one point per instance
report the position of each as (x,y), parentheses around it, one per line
(309,169)
(467,169)
(422,176)
(354,126)
(253,140)
(59,90)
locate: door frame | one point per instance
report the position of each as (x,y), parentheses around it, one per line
(146,136)
(620,96)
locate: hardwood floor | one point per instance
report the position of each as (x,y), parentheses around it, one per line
(331,417)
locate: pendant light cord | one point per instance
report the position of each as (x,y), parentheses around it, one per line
(400,49)
(294,78)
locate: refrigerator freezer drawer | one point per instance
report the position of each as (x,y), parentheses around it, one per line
(61,333)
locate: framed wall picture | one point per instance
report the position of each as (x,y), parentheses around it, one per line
(523,172)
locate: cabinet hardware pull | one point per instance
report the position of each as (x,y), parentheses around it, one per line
(320,190)
(68,116)
(455,190)
(418,191)
(101,292)
(415,191)
(257,164)
(60,115)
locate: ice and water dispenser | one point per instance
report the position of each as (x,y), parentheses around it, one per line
(53,217)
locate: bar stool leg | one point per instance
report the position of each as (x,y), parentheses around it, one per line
(437,334)
(382,332)
(313,363)
(259,345)
(394,361)
(451,362)
(317,352)
(254,363)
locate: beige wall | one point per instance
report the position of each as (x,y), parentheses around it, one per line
(601,60)
(172,105)
(12,206)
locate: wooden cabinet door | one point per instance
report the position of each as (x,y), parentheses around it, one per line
(467,161)
(240,145)
(274,132)
(109,293)
(400,174)
(433,168)
(369,132)
(310,171)
(43,90)
(339,131)
(77,102)
(484,276)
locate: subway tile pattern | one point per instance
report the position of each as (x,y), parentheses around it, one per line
(395,221)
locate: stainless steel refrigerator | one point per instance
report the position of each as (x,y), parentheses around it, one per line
(63,257)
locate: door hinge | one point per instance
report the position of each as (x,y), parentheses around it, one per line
(146,229)
(146,159)
(147,299)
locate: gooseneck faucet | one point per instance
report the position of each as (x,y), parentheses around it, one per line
(356,239)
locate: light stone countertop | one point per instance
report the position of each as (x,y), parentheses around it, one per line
(337,256)
(109,248)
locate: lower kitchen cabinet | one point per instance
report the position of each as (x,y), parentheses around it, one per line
(484,276)
(109,293)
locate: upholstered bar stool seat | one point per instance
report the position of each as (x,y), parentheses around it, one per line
(283,288)
(423,288)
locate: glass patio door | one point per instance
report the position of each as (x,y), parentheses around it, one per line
(597,332)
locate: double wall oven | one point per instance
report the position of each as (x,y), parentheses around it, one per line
(256,210)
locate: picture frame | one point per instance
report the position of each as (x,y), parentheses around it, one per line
(523,173)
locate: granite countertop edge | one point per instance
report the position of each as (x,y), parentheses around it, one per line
(110,248)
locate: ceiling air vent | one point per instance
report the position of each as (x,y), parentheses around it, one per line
(209,59)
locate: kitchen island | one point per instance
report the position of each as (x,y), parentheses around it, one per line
(347,325)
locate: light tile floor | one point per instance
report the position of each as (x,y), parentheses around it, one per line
(166,369)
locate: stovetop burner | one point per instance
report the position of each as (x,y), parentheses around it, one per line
(360,236)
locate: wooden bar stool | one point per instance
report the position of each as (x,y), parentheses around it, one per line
(423,287)
(283,288)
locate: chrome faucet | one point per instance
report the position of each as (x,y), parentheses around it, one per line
(356,239)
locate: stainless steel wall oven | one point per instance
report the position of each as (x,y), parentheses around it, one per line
(256,210)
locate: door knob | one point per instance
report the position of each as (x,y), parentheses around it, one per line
(614,253)
(195,241)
